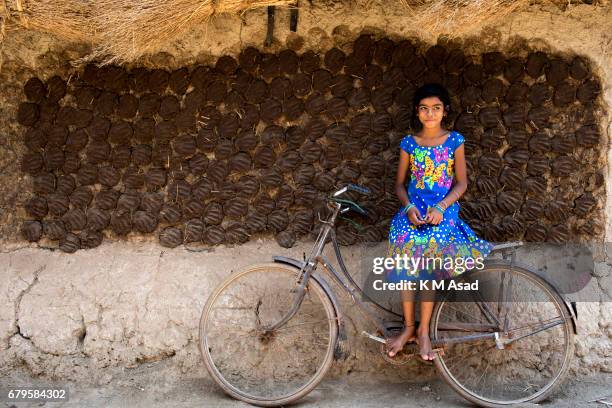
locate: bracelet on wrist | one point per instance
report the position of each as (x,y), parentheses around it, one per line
(439,208)
(408,206)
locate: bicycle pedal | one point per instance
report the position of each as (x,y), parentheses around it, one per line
(404,356)
(411,348)
(373,337)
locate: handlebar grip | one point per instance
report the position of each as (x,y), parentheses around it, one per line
(360,210)
(359,189)
(351,205)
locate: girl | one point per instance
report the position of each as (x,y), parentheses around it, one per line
(428,226)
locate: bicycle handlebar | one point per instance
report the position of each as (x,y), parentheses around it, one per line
(351,204)
(352,187)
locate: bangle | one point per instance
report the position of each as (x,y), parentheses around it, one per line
(408,206)
(443,205)
(439,208)
(457,195)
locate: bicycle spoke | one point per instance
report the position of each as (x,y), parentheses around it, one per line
(501,294)
(487,312)
(280,362)
(531,326)
(282,328)
(508,303)
(528,366)
(235,301)
(464,313)
(291,356)
(483,375)
(462,357)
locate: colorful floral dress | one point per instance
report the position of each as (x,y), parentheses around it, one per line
(432,173)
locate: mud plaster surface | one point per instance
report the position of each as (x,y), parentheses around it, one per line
(88,314)
(87,322)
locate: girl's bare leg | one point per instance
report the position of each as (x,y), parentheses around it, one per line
(396,343)
(423,330)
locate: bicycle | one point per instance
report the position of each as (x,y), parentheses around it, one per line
(269,333)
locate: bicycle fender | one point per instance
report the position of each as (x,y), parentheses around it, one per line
(570,306)
(340,350)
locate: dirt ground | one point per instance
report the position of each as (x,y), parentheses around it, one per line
(156,385)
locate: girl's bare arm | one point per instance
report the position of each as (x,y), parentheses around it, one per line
(461,180)
(400,179)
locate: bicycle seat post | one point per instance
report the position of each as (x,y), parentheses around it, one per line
(508,253)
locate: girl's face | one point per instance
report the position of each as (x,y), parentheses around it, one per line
(431,112)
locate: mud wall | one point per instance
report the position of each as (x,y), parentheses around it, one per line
(109,315)
(251,145)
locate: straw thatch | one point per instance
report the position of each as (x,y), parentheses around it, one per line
(128,29)
(125,30)
(67,19)
(455,17)
(120,30)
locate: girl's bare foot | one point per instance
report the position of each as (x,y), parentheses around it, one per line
(425,349)
(396,343)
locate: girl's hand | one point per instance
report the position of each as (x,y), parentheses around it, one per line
(415,216)
(433,216)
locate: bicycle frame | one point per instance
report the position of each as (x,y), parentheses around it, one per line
(315,259)
(496,331)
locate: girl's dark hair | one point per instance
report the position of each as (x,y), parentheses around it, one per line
(427,91)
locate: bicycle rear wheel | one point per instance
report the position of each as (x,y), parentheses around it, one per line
(527,370)
(258,366)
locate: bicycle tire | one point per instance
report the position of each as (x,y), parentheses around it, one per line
(566,328)
(264,272)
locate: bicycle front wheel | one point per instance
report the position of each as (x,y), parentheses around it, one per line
(260,366)
(538,327)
